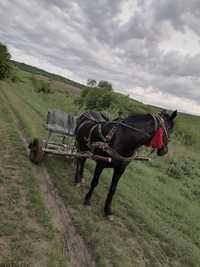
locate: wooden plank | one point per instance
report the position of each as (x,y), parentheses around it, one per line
(94,157)
(71,154)
(142,158)
(76,155)
(58,152)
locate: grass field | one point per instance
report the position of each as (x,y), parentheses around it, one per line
(157,205)
(27,237)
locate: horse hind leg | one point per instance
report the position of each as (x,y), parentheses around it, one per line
(82,164)
(94,183)
(79,170)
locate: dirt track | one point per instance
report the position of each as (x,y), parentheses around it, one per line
(74,248)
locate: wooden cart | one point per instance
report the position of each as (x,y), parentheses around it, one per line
(61,140)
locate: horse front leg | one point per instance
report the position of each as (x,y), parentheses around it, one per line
(79,170)
(115,179)
(98,170)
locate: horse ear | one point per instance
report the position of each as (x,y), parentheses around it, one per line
(173,115)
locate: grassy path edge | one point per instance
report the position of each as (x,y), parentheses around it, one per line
(74,247)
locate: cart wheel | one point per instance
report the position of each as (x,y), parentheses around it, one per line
(36,153)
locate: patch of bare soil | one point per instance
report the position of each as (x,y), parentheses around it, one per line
(59,85)
(65,87)
(73,245)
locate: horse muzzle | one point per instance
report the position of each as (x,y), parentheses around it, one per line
(162,151)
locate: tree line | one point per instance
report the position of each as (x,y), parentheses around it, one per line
(100,96)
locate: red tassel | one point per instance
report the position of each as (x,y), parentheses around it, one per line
(157,139)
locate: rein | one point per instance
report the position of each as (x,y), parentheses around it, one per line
(158,123)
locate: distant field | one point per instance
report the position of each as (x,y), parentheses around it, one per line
(157,205)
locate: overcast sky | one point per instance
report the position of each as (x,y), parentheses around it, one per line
(149,49)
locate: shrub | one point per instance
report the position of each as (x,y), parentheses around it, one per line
(182,167)
(100,96)
(105,85)
(98,99)
(44,87)
(175,169)
(41,86)
(14,79)
(95,99)
(91,83)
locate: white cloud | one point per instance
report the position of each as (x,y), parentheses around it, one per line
(165,100)
(187,42)
(128,8)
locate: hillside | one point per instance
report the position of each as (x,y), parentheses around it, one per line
(51,76)
(157,209)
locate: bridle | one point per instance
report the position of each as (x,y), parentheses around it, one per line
(160,122)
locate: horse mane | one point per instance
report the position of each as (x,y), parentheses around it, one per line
(137,117)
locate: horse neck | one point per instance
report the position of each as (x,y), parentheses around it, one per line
(127,140)
(143,124)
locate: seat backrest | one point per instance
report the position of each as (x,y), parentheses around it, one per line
(61,122)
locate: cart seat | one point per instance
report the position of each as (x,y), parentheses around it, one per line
(60,122)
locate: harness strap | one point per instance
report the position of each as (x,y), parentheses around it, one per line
(100,133)
(158,122)
(162,124)
(90,135)
(156,126)
(111,133)
(111,152)
(106,139)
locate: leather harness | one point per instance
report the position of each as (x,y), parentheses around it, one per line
(104,144)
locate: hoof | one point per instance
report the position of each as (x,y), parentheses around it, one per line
(77,184)
(82,181)
(108,214)
(87,203)
(110,218)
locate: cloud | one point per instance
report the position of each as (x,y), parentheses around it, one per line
(164,100)
(135,44)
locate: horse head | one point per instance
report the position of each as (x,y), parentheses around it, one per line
(167,123)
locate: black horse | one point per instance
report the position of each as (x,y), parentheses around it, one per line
(119,141)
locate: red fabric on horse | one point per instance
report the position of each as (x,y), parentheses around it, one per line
(157,139)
